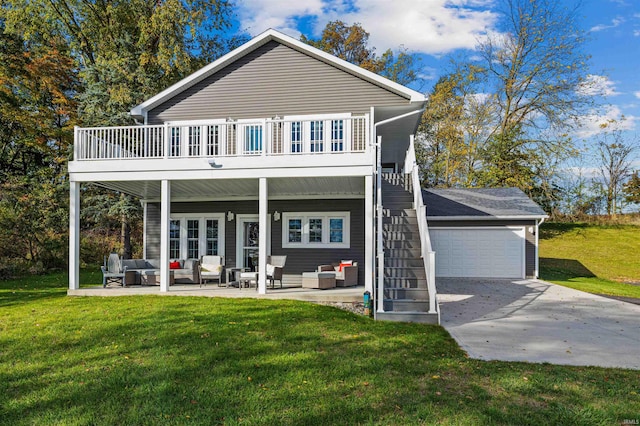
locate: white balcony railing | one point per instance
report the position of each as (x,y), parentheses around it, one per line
(224,139)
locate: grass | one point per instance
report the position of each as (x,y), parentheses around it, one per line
(601,259)
(188,360)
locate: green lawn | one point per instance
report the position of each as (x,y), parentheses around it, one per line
(190,360)
(600,259)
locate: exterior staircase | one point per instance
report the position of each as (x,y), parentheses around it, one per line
(406,296)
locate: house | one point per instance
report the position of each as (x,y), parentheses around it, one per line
(275,148)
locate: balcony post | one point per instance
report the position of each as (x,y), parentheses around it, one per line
(369,260)
(165,217)
(74,235)
(263,226)
(166,141)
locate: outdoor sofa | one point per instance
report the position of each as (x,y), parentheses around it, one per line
(147,271)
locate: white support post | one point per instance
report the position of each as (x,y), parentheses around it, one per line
(369,248)
(165,214)
(380,295)
(263,226)
(74,235)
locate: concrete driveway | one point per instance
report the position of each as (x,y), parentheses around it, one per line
(535,321)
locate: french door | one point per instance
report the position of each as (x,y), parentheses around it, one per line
(247,241)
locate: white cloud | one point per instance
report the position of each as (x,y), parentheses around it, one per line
(598,85)
(614,23)
(636,33)
(600,121)
(637,94)
(428,26)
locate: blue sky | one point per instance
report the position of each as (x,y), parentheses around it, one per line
(437,28)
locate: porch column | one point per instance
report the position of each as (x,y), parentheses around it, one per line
(263,226)
(369,255)
(165,213)
(74,235)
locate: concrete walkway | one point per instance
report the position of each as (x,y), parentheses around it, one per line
(535,321)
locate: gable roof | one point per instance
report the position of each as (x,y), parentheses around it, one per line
(480,204)
(260,40)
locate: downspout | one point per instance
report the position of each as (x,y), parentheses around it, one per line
(537,271)
(380,248)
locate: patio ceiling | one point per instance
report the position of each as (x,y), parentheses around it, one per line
(213,189)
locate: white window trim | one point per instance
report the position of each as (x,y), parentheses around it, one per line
(325,216)
(202,244)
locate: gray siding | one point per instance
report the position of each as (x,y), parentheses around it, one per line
(298,260)
(274,80)
(530,238)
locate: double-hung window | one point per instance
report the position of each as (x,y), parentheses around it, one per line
(317,136)
(194,141)
(315,230)
(337,135)
(296,136)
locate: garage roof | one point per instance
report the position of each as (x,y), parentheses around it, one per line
(480,204)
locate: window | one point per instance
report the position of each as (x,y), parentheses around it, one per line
(175,142)
(212,237)
(213,141)
(337,135)
(253,139)
(336,229)
(193,239)
(192,235)
(174,239)
(296,136)
(316,230)
(295,230)
(317,136)
(194,141)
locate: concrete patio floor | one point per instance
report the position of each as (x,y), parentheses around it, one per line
(536,321)
(338,294)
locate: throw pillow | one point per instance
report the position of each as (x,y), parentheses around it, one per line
(174,265)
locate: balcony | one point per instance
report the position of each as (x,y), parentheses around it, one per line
(225,138)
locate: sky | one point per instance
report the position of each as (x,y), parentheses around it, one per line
(435,29)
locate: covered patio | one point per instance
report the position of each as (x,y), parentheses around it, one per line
(288,292)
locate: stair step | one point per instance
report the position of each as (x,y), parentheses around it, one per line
(405,282)
(406,293)
(401,244)
(403,253)
(400,220)
(404,272)
(400,236)
(398,212)
(419,317)
(406,305)
(403,262)
(400,227)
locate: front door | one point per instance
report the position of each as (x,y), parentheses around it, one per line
(247,241)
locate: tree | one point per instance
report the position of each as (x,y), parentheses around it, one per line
(451,132)
(535,66)
(520,102)
(615,167)
(351,43)
(632,188)
(37,115)
(121,53)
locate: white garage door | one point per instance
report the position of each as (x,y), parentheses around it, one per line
(479,252)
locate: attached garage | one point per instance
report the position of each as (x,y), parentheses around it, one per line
(485,233)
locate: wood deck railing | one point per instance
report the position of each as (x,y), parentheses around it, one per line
(224,139)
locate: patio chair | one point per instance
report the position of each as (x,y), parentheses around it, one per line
(211,268)
(275,267)
(112,271)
